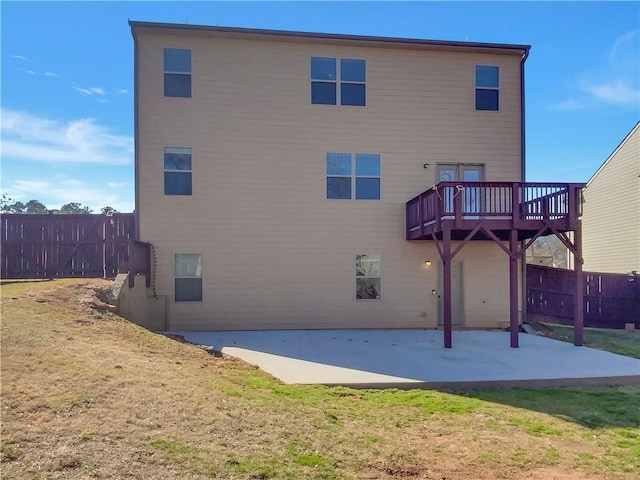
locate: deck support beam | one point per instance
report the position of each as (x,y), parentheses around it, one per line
(513,287)
(578,304)
(446,284)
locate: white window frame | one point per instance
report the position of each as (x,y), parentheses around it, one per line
(179,277)
(175,72)
(351,82)
(475,91)
(171,170)
(353,176)
(364,277)
(337,82)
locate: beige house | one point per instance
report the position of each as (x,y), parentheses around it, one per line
(273,171)
(612,198)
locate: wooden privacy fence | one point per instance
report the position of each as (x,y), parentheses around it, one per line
(610,299)
(76,245)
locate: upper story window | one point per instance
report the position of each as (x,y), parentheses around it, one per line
(327,74)
(347,179)
(177,171)
(487,85)
(177,72)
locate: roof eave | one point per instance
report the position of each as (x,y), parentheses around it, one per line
(522,49)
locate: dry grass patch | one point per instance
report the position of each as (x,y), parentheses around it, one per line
(86,394)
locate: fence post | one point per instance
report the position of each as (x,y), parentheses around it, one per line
(104,247)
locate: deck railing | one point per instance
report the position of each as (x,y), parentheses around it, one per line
(519,202)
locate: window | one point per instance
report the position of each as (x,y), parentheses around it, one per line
(368,277)
(347,179)
(177,171)
(177,72)
(487,83)
(188,277)
(323,81)
(325,73)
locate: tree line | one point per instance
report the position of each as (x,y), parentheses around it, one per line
(37,207)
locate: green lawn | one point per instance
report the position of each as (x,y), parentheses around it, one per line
(86,394)
(617,341)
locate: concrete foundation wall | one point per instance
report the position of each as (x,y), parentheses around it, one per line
(138,305)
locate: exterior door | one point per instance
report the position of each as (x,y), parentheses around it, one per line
(448,173)
(457,297)
(472,203)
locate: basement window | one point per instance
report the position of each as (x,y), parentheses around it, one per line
(368,277)
(188,277)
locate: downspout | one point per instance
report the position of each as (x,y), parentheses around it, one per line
(522,119)
(136,131)
(523,162)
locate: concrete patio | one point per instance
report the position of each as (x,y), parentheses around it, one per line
(417,358)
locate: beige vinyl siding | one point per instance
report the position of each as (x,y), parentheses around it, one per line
(611,212)
(278,254)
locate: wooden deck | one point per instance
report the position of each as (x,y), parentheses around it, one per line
(499,207)
(511,214)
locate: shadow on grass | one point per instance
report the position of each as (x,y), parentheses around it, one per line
(598,407)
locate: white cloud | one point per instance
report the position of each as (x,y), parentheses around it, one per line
(116,184)
(29,185)
(72,182)
(50,74)
(123,91)
(615,92)
(570,104)
(83,91)
(90,91)
(614,82)
(30,137)
(620,52)
(30,72)
(103,100)
(19,57)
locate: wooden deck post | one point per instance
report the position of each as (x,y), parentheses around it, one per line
(446,284)
(578,304)
(513,287)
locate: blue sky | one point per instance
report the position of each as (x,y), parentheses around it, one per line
(67,79)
